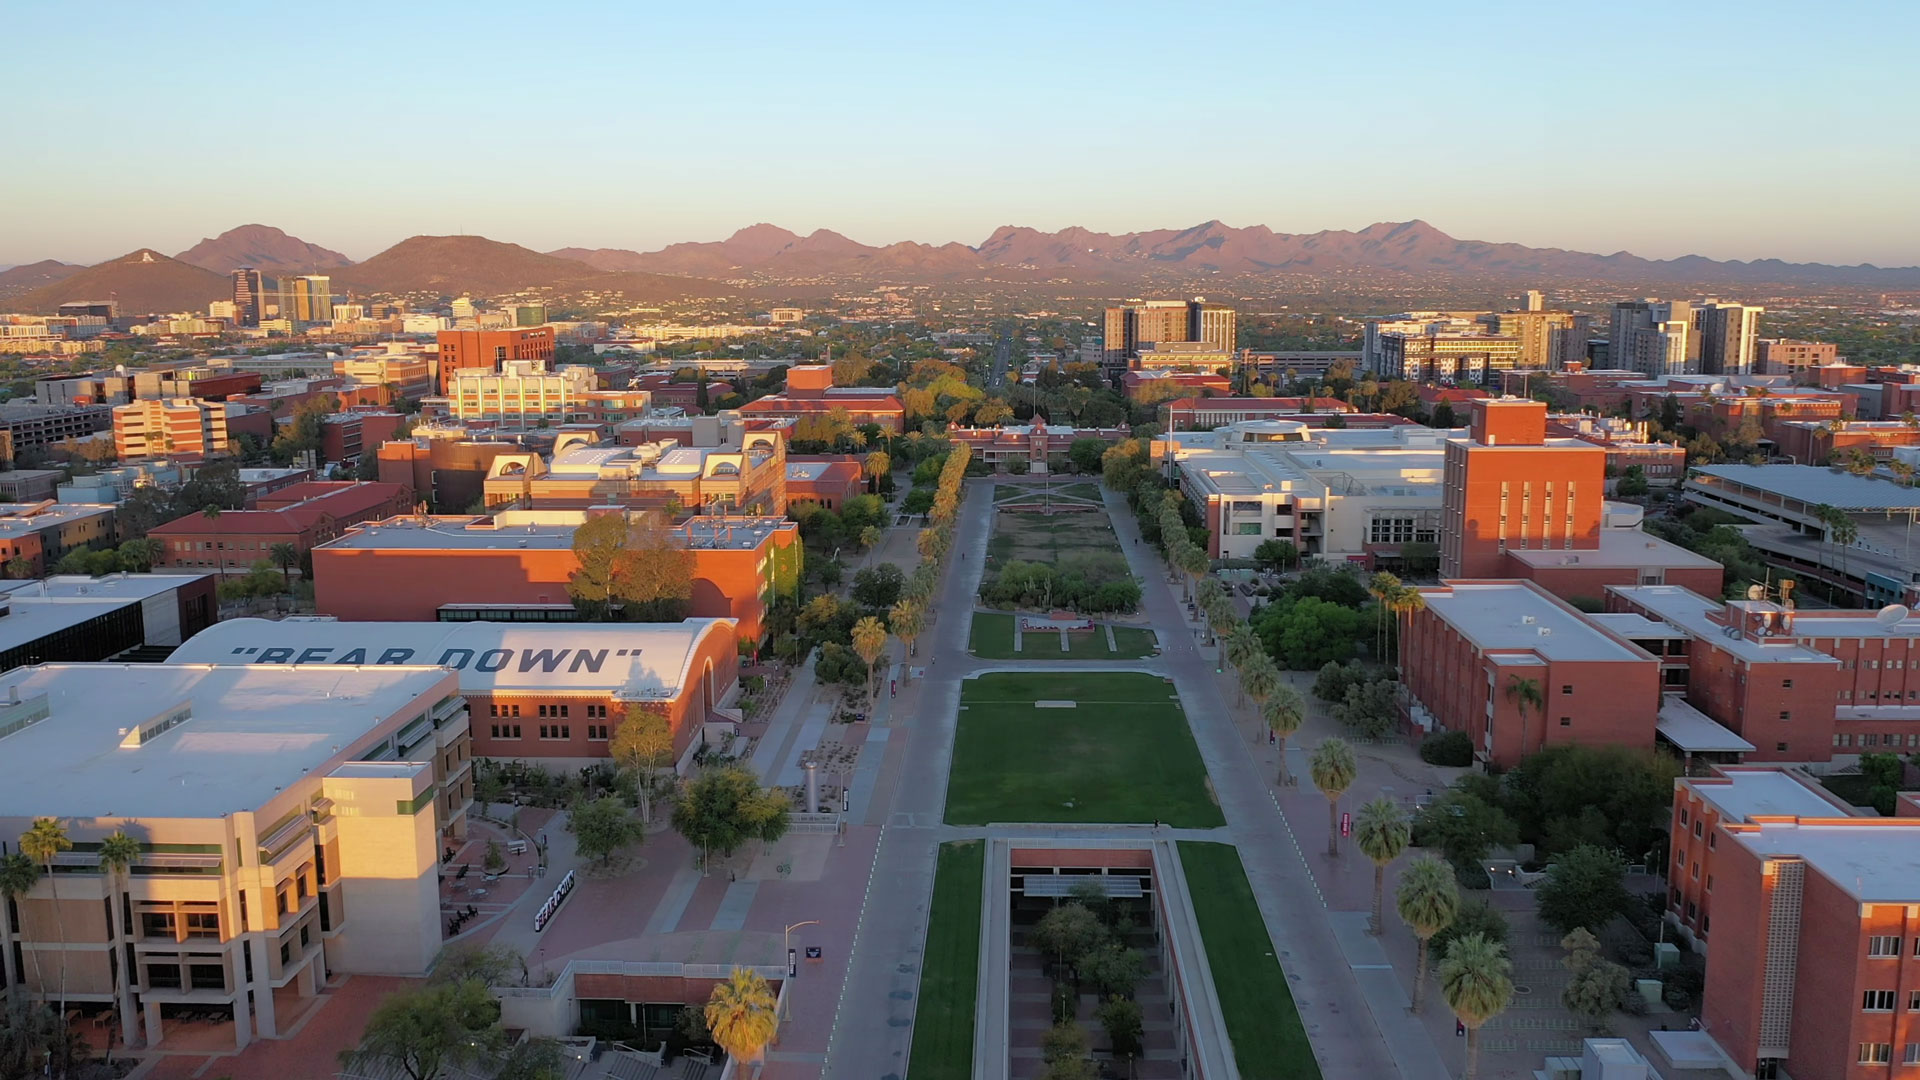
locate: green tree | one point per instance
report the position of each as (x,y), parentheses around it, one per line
(740,1015)
(429,1031)
(1476,916)
(1584,887)
(42,842)
(1087,455)
(870,643)
(724,807)
(1125,1025)
(1476,978)
(1274,554)
(602,827)
(643,746)
(1064,1050)
(1463,827)
(1596,987)
(140,554)
(1068,933)
(1381,832)
(878,586)
(1333,768)
(1428,899)
(1370,709)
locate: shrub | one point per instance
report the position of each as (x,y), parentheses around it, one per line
(1453,748)
(1476,916)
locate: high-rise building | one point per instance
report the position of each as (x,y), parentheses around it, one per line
(488,349)
(1434,355)
(1654,337)
(463,308)
(247,290)
(1535,300)
(1134,326)
(1533,328)
(1729,334)
(1783,357)
(307,299)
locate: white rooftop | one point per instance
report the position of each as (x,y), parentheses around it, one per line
(39,609)
(1745,794)
(633,661)
(20,519)
(1513,615)
(1618,547)
(252,731)
(1813,485)
(1873,863)
(1688,610)
(1694,731)
(479,532)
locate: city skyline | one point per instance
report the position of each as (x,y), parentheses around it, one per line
(933,128)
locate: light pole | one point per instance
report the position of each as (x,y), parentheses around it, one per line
(793,967)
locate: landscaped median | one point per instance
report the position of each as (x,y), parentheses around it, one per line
(1269,1042)
(1094,747)
(950,967)
(993,640)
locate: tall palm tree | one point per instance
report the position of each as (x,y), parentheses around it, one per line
(1381,831)
(1241,644)
(740,1015)
(46,839)
(1383,587)
(907,617)
(1406,600)
(1428,901)
(1476,978)
(118,853)
(1284,713)
(869,642)
(140,554)
(876,465)
(1333,769)
(18,873)
(1524,693)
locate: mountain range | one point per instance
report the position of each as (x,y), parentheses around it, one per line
(146,281)
(1413,247)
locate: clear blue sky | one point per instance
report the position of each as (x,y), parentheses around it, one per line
(1735,130)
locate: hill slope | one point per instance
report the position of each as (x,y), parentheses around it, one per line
(483,267)
(24,279)
(144,282)
(264,248)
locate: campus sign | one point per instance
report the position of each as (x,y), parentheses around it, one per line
(547,661)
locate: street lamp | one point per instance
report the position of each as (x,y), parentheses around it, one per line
(793,967)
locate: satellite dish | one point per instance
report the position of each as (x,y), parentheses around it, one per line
(1756,592)
(1892,615)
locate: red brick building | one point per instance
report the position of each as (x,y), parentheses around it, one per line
(346,436)
(1163,385)
(516,564)
(1464,654)
(1509,487)
(1207,413)
(542,692)
(466,350)
(810,393)
(236,539)
(1040,445)
(828,480)
(680,395)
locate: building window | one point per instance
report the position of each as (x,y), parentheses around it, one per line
(1786,714)
(1566,688)
(1876,1053)
(556,731)
(1780,747)
(1876,1001)
(1912,1056)
(1566,721)
(597,732)
(1882,946)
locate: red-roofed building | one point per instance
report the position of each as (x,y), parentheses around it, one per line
(305,515)
(810,392)
(828,479)
(682,395)
(1207,413)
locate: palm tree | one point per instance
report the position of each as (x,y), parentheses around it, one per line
(288,557)
(1284,713)
(118,853)
(1382,831)
(1333,768)
(1384,587)
(1524,693)
(140,554)
(1407,600)
(908,617)
(1260,680)
(740,1015)
(1477,980)
(1428,901)
(869,641)
(46,839)
(18,873)
(1241,644)
(876,465)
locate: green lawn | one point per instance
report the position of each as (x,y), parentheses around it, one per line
(1269,1042)
(993,640)
(950,967)
(1124,754)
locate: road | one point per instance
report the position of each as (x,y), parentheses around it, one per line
(1002,356)
(874,1029)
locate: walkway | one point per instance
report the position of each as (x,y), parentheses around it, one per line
(1355,1032)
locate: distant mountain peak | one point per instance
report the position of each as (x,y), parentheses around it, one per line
(262,247)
